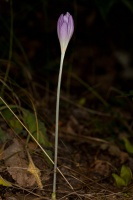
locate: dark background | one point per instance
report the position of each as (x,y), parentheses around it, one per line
(103,37)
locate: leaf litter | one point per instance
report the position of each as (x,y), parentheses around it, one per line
(88,162)
(87,159)
(17,165)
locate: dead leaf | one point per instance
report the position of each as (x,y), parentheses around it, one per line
(4,182)
(34,171)
(114,150)
(102,168)
(17,164)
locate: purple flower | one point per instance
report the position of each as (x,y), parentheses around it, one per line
(65,29)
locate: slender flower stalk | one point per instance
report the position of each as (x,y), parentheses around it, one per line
(65,29)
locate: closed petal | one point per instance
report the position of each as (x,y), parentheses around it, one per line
(65,28)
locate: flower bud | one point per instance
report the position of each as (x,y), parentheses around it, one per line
(65,29)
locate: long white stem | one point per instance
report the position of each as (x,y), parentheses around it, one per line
(56,126)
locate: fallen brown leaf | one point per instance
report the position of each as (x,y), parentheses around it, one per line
(17,164)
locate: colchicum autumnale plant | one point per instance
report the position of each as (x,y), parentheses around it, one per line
(65,29)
